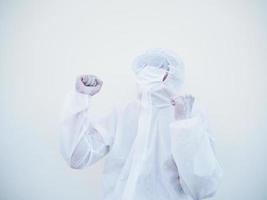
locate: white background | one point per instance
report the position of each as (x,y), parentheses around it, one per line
(45,44)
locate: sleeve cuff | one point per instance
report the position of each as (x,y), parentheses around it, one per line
(75,102)
(187,130)
(185,123)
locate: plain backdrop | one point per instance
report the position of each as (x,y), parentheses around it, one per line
(45,44)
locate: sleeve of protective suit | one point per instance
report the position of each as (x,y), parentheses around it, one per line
(83,139)
(193,151)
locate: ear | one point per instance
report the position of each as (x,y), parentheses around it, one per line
(165,76)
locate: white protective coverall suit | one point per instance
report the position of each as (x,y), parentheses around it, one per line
(149,154)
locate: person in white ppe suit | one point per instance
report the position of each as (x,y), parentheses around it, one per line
(157,147)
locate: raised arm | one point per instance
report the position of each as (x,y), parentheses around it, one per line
(193,152)
(85,140)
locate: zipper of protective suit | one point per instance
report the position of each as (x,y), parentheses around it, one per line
(144,125)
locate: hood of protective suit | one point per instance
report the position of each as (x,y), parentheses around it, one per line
(159,77)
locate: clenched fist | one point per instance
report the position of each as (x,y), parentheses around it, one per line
(88,84)
(183,106)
